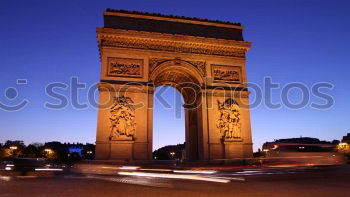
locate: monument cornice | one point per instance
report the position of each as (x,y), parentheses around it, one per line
(171,43)
(180,20)
(243,93)
(108,87)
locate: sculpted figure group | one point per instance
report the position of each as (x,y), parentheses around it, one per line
(229,122)
(122,118)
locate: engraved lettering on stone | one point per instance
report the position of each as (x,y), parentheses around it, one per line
(229,122)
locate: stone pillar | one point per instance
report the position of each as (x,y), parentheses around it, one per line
(191,134)
(229,125)
(124,120)
(203,132)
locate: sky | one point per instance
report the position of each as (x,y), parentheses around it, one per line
(304,41)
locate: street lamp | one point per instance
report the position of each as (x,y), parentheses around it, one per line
(48,153)
(89,154)
(266,151)
(13,148)
(343,148)
(343,144)
(172,155)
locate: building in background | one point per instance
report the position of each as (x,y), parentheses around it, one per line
(346,139)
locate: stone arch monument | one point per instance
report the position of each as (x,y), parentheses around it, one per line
(204,60)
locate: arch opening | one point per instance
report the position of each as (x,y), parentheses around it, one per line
(188,82)
(168,124)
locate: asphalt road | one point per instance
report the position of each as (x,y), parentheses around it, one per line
(308,182)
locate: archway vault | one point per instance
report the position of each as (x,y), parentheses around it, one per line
(181,75)
(201,59)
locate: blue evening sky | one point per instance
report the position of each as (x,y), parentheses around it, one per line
(303,41)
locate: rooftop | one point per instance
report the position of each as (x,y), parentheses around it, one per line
(172,16)
(169,24)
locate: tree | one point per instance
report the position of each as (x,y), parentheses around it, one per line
(5,153)
(18,143)
(12,149)
(55,151)
(335,142)
(88,151)
(170,152)
(74,157)
(31,151)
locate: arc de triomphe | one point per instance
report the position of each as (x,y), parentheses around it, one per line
(204,60)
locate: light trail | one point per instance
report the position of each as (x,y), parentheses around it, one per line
(195,171)
(174,176)
(48,169)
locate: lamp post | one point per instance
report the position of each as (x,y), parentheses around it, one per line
(172,154)
(13,150)
(89,154)
(266,151)
(343,148)
(48,153)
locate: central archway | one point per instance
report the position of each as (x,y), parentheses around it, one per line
(168,124)
(182,76)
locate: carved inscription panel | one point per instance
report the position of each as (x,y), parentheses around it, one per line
(231,74)
(124,67)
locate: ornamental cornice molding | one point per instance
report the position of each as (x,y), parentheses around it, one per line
(174,43)
(174,37)
(121,88)
(227,93)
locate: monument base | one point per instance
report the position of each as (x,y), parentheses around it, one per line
(121,150)
(233,149)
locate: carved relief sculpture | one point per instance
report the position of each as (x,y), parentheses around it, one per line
(154,62)
(229,122)
(124,67)
(122,119)
(226,73)
(200,65)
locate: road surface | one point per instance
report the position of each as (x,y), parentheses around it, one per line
(293,182)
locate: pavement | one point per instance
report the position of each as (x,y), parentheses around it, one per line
(324,181)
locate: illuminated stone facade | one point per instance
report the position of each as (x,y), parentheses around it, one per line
(204,60)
